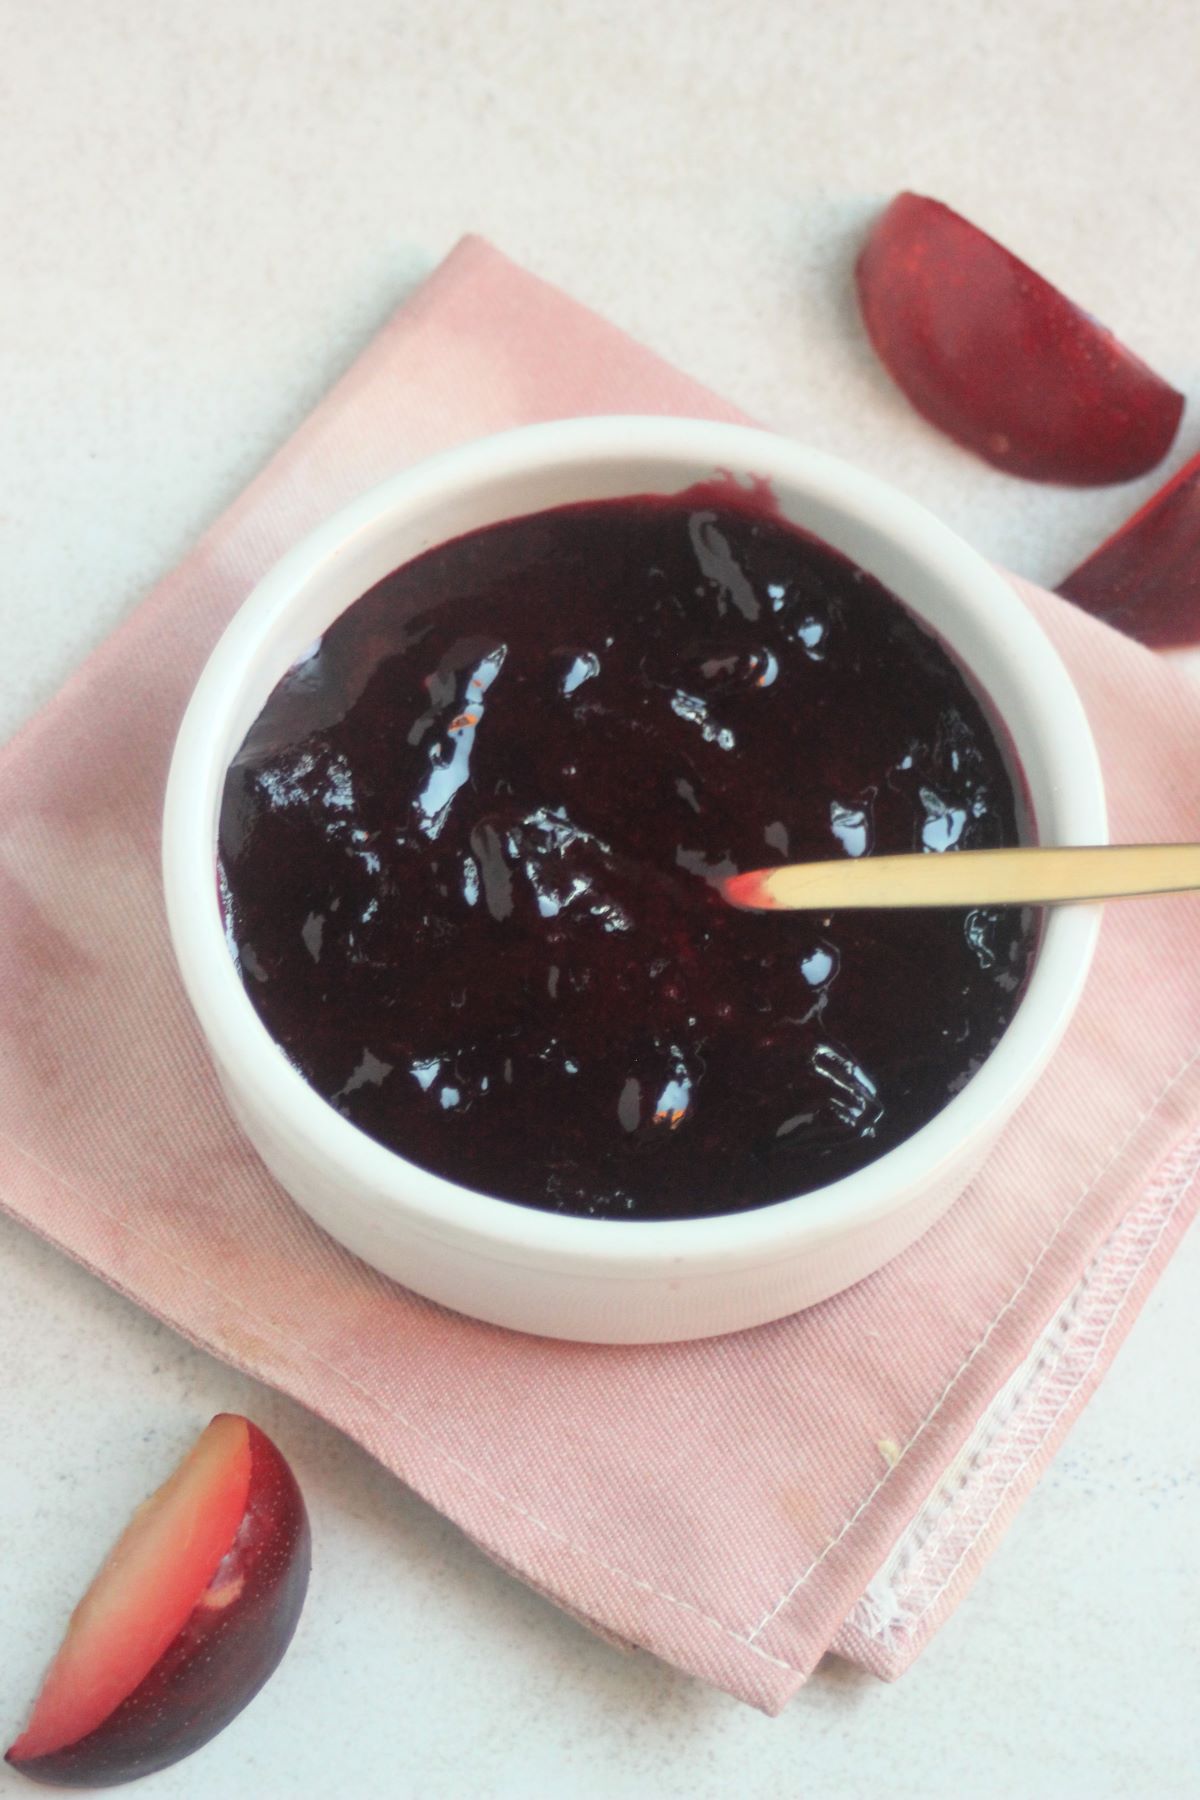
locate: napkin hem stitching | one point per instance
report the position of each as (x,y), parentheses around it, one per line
(1114,1157)
(913,1579)
(1066,1401)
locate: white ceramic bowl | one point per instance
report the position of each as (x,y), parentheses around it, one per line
(604,1280)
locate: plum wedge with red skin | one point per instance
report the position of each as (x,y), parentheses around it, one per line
(217,1562)
(1145,578)
(1000,360)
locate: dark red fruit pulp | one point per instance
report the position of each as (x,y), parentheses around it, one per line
(1000,360)
(467,854)
(1145,579)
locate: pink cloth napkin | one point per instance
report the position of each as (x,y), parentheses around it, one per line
(737,1506)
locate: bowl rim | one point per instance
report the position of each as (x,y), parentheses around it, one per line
(507,1230)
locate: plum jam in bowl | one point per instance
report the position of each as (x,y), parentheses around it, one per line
(444,835)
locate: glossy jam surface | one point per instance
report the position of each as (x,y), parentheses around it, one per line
(467,855)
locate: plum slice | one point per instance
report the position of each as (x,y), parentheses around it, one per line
(1002,362)
(188,1617)
(1145,578)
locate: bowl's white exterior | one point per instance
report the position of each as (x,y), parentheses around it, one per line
(602,1280)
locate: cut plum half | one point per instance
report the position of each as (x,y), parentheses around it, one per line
(1145,578)
(997,358)
(188,1617)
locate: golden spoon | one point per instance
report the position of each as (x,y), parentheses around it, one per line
(1031,876)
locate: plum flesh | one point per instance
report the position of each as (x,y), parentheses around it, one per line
(1000,360)
(1145,578)
(190,1614)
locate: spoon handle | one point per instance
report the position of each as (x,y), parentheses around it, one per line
(1031,876)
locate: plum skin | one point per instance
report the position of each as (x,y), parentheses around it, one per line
(230,1645)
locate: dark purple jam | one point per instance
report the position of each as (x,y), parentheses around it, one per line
(467,854)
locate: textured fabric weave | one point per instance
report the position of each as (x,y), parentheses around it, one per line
(735,1506)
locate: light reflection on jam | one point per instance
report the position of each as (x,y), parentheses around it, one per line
(467,854)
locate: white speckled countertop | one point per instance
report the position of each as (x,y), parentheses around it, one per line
(204,213)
